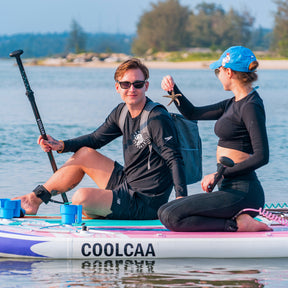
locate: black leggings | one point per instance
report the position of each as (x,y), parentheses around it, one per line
(214,211)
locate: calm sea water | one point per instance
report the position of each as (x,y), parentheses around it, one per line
(74,101)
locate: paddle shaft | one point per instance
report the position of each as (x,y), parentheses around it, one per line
(30,95)
(224,163)
(217,177)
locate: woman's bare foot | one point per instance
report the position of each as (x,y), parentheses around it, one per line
(246,223)
(30,203)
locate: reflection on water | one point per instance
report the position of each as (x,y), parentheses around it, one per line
(145,273)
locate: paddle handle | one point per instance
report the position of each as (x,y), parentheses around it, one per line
(30,95)
(217,178)
(224,163)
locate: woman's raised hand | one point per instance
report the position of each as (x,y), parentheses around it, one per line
(167,83)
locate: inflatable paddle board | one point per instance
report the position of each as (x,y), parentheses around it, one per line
(46,238)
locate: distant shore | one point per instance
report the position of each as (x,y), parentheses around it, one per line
(263,64)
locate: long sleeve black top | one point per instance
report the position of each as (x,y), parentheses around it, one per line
(240,125)
(156,180)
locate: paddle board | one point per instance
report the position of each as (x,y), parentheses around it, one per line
(46,238)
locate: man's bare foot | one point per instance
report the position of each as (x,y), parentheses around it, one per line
(30,203)
(246,223)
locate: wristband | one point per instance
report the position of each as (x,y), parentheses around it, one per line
(61,150)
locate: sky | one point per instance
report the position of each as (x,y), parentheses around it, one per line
(108,16)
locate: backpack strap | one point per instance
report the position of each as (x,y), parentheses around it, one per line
(143,124)
(122,117)
(144,127)
(144,118)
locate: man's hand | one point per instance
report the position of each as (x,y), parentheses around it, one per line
(50,144)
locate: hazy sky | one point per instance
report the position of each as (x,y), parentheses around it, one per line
(42,16)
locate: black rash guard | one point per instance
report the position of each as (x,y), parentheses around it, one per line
(157,180)
(240,125)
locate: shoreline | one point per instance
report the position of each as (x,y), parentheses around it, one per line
(263,65)
(193,65)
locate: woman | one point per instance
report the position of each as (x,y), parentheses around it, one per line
(241,129)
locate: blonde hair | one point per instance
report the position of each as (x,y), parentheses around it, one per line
(133,63)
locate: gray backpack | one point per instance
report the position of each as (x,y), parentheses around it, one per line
(188,137)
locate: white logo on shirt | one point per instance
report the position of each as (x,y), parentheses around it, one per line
(138,140)
(168,138)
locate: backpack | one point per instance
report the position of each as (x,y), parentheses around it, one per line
(188,137)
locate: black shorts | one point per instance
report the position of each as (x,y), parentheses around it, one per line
(126,204)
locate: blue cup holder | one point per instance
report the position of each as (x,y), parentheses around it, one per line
(9,208)
(71,214)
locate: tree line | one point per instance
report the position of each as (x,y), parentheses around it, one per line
(60,44)
(167,26)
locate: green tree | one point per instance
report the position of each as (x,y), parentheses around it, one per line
(261,39)
(77,38)
(239,28)
(207,26)
(163,28)
(280,32)
(211,26)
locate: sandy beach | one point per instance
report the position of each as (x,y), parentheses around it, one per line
(264,64)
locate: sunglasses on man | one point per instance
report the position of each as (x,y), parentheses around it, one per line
(126,85)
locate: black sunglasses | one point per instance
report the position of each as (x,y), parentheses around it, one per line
(137,84)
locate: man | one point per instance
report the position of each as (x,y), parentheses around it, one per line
(129,192)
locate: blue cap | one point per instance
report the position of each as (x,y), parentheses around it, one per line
(237,58)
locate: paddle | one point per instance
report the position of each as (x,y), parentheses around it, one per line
(224,163)
(30,95)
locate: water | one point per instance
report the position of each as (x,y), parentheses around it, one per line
(145,273)
(74,101)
